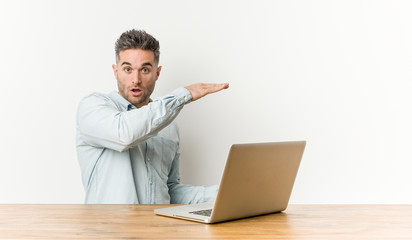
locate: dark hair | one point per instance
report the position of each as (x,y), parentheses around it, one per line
(137,39)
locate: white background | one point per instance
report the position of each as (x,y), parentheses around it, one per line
(334,73)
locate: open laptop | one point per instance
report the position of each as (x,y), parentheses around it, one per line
(258,179)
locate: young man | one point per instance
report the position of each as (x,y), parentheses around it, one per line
(127,143)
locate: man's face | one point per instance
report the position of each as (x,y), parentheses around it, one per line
(136,72)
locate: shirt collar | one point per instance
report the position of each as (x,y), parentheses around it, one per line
(123,102)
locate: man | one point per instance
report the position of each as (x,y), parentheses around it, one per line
(127,143)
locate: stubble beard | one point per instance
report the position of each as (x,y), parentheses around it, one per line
(136,101)
(141,100)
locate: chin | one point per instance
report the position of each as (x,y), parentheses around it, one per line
(137,103)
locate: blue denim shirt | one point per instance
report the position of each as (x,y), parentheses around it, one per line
(131,156)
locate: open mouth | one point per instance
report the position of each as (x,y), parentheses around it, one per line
(136,92)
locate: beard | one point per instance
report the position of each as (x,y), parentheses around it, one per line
(146,87)
(137,101)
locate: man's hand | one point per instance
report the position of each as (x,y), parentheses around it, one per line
(200,90)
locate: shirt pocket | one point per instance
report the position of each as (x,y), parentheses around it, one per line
(169,151)
(161,154)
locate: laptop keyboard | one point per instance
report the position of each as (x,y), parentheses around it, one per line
(206,212)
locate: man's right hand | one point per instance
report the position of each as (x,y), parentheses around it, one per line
(200,90)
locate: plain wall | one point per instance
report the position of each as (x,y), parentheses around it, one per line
(334,73)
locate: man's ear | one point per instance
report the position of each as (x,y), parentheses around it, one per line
(158,72)
(114,67)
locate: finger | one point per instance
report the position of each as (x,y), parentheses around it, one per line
(225,85)
(218,87)
(222,86)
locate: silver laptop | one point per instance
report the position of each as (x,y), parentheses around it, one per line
(258,179)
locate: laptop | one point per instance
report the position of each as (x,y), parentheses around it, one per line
(258,179)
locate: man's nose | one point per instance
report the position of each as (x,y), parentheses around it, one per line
(137,79)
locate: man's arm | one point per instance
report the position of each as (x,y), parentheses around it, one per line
(200,90)
(104,126)
(101,124)
(187,194)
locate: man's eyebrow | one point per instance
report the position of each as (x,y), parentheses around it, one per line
(143,65)
(147,64)
(127,63)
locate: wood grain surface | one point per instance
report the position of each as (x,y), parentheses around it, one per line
(21,221)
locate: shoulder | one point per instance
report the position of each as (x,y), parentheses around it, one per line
(96,102)
(95,97)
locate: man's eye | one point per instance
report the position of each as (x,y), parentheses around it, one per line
(127,70)
(145,70)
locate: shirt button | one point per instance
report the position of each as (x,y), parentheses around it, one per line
(150,182)
(148,159)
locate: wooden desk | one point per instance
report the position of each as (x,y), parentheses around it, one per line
(139,222)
